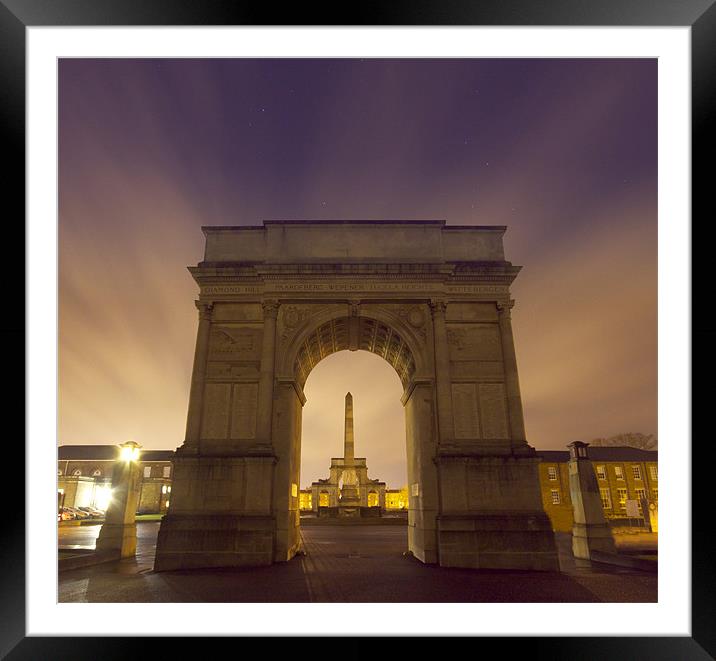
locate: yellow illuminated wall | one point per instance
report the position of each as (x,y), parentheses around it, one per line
(396,499)
(305,499)
(614,478)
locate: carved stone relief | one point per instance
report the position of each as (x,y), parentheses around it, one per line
(238,343)
(471,312)
(415,315)
(292,316)
(474,342)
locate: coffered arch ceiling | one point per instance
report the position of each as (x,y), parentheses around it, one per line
(355,333)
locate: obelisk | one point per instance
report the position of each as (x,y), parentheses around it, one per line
(349,479)
(348,448)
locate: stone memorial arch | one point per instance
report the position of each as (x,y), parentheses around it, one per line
(433,300)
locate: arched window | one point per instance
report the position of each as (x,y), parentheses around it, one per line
(323,499)
(96,472)
(77,472)
(373,499)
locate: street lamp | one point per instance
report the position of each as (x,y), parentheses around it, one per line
(129,451)
(118,533)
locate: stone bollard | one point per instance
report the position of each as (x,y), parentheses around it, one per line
(119,530)
(590,532)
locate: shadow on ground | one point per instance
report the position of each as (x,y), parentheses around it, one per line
(349,565)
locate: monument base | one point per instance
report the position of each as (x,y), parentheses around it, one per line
(349,512)
(214,540)
(587,538)
(121,537)
(504,540)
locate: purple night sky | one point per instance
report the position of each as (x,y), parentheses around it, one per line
(563,152)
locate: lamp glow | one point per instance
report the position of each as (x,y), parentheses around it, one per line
(129,451)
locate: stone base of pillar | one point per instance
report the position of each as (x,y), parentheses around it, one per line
(504,540)
(587,538)
(493,515)
(118,537)
(421,543)
(288,535)
(214,540)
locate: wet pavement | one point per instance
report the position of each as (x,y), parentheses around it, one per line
(342,564)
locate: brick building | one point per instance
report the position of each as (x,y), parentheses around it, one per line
(623,473)
(84,477)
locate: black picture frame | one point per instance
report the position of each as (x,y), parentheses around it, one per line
(700,15)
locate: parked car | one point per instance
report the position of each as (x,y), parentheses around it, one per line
(79,514)
(93,513)
(65,514)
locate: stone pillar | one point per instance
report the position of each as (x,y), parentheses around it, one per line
(119,530)
(442,372)
(423,491)
(266,376)
(196,396)
(591,532)
(512,383)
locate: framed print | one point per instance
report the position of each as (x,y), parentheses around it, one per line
(134,141)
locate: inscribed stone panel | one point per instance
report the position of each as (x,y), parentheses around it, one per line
(476,369)
(471,312)
(464,406)
(243,410)
(493,408)
(241,369)
(215,420)
(474,342)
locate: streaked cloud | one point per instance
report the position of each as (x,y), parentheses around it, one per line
(563,152)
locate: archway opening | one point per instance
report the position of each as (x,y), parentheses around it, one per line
(357,482)
(378,423)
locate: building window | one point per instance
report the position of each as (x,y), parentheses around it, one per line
(622,498)
(653,473)
(619,472)
(552,473)
(637,472)
(606,499)
(59,472)
(555,497)
(164,488)
(640,493)
(601,472)
(323,499)
(77,472)
(655,495)
(147,471)
(97,472)
(167,471)
(373,499)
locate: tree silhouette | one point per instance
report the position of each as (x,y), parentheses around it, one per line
(631,439)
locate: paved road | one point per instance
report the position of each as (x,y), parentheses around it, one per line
(342,564)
